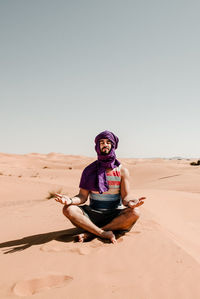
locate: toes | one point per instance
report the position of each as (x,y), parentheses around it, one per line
(81,238)
(84,237)
(113,240)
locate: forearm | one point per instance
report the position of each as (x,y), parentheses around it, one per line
(127,198)
(77,200)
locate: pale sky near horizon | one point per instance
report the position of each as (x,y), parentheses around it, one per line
(71,69)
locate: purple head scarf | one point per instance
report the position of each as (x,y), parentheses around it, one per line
(94,175)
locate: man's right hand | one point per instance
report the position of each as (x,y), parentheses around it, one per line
(63,199)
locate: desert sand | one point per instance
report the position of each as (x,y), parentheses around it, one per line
(158,258)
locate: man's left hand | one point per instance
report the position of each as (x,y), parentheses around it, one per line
(133,203)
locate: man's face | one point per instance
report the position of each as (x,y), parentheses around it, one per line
(105,146)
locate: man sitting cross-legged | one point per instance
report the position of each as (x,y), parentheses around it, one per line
(106,183)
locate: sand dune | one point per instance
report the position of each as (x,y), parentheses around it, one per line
(158,258)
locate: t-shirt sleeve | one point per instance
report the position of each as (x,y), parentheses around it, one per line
(83,181)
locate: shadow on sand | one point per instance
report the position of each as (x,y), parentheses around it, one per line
(67,235)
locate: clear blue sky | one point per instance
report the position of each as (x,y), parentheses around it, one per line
(71,69)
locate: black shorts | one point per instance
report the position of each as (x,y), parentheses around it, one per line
(100,218)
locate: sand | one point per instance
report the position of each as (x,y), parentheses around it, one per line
(158,258)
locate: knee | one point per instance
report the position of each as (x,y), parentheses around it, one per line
(134,213)
(68,211)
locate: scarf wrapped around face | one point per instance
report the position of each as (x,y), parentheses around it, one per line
(94,175)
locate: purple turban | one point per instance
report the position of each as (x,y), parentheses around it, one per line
(94,175)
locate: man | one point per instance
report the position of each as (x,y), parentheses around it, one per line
(106,183)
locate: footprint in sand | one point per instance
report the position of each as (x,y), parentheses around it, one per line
(81,250)
(30,287)
(78,248)
(54,246)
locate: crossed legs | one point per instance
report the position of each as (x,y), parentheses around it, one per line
(124,221)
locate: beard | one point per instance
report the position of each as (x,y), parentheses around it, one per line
(105,153)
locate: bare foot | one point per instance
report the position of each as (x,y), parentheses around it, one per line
(109,235)
(84,237)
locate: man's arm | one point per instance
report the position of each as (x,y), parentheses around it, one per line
(127,199)
(78,199)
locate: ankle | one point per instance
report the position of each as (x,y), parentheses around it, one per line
(106,233)
(101,232)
